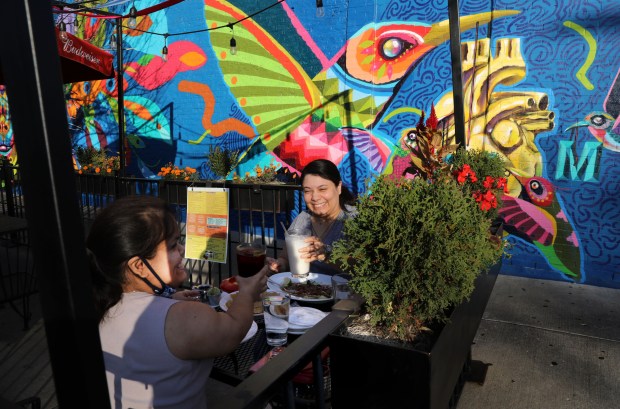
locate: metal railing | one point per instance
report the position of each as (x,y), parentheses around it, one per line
(256,211)
(275,378)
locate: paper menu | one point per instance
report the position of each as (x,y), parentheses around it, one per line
(207,224)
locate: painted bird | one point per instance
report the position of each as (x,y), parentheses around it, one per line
(537,217)
(601,126)
(301,115)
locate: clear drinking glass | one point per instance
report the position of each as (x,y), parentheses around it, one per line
(250,258)
(340,287)
(276,307)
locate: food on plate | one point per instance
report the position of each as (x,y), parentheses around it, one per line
(230,285)
(258,305)
(310,289)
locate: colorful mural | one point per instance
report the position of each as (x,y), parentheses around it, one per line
(540,84)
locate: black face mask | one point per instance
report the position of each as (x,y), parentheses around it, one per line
(165,289)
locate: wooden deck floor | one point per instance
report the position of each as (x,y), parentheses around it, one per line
(25,369)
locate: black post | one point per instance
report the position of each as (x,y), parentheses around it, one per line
(457,73)
(121,94)
(31,68)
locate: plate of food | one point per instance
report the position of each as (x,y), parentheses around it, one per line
(227,299)
(313,288)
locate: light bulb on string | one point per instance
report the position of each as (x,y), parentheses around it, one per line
(62,27)
(164,51)
(133,15)
(233,42)
(320,11)
(113,39)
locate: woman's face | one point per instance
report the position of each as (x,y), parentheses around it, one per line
(168,262)
(322,196)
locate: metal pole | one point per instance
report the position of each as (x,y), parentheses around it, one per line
(31,67)
(457,73)
(121,94)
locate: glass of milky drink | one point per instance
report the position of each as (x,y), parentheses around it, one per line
(295,239)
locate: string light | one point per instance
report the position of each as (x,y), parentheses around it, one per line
(164,51)
(62,27)
(320,11)
(112,39)
(132,22)
(233,42)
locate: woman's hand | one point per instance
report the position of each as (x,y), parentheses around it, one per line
(187,295)
(254,285)
(275,265)
(316,250)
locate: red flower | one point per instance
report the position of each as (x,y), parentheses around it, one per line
(488,182)
(466,173)
(486,200)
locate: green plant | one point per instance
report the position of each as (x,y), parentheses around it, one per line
(97,161)
(417,244)
(222,161)
(266,174)
(173,172)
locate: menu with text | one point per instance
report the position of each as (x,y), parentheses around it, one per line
(207,224)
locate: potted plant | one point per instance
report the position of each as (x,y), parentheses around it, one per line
(96,162)
(172,187)
(258,195)
(222,161)
(415,252)
(214,294)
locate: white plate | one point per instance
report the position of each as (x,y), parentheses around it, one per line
(253,330)
(227,297)
(304,317)
(318,278)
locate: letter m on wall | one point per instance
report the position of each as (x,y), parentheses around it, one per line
(587,168)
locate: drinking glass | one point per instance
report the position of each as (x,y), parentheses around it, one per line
(276,307)
(294,241)
(340,287)
(250,258)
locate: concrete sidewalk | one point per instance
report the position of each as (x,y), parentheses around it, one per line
(546,345)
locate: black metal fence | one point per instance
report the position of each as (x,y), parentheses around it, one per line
(256,211)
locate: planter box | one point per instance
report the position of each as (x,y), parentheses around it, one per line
(257,198)
(173,192)
(367,374)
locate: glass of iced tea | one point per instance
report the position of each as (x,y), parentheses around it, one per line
(250,258)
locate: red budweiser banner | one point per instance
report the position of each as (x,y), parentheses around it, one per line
(82,61)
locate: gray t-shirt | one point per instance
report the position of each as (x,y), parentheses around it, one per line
(304,221)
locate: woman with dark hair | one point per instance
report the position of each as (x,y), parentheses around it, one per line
(328,204)
(158,351)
